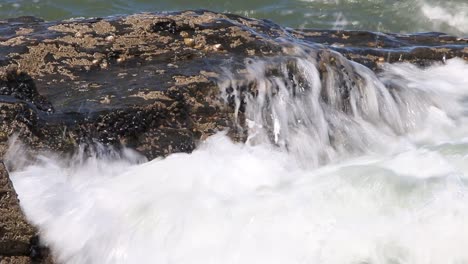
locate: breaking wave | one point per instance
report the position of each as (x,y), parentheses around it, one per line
(340,166)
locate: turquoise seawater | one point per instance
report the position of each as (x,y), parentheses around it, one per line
(449,16)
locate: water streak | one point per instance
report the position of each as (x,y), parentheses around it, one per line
(341,166)
(322,107)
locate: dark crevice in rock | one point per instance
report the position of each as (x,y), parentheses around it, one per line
(21,86)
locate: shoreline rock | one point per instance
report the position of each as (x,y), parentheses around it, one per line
(149,82)
(19,242)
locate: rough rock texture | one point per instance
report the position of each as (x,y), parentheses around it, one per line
(18,240)
(22,260)
(15,260)
(148,81)
(15,232)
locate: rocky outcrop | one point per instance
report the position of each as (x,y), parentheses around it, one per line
(15,232)
(18,239)
(149,82)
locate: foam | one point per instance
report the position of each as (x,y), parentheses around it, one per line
(261,202)
(233,203)
(455,16)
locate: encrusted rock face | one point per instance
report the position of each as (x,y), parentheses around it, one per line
(18,239)
(149,82)
(15,232)
(15,260)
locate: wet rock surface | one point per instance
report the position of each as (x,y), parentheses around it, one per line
(18,239)
(15,232)
(149,81)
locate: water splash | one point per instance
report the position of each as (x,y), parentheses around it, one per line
(320,107)
(393,188)
(454,16)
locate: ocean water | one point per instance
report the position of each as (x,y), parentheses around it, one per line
(449,16)
(377,174)
(385,182)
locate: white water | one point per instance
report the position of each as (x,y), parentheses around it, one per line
(455,16)
(391,187)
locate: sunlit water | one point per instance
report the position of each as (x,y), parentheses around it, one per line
(378,176)
(449,16)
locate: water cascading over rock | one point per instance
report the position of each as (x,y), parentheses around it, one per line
(320,106)
(301,99)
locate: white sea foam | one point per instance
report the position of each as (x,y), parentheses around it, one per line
(455,16)
(350,110)
(406,202)
(238,204)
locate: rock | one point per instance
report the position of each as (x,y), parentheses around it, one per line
(149,82)
(15,260)
(18,239)
(24,260)
(15,232)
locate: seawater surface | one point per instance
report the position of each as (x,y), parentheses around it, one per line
(400,196)
(449,16)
